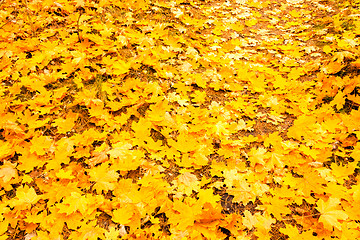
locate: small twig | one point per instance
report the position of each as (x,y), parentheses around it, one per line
(5,24)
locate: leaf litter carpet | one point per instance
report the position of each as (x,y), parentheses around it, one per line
(179,119)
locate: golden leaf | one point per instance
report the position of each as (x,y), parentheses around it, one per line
(331,213)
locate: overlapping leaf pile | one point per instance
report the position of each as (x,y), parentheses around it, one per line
(148,119)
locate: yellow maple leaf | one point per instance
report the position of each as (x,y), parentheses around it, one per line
(120,67)
(25,196)
(276,206)
(120,150)
(113,233)
(186,183)
(64,174)
(184,214)
(28,161)
(207,196)
(333,67)
(331,213)
(66,124)
(250,220)
(98,157)
(242,192)
(40,145)
(74,202)
(12,128)
(342,172)
(123,215)
(6,149)
(8,171)
(290,231)
(257,155)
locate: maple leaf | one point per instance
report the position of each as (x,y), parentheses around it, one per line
(25,197)
(182,107)
(208,220)
(263,226)
(120,150)
(65,125)
(311,182)
(120,67)
(331,213)
(98,157)
(275,161)
(130,161)
(74,202)
(333,67)
(89,231)
(65,174)
(103,177)
(113,233)
(242,192)
(157,113)
(207,196)
(5,149)
(12,128)
(250,220)
(123,215)
(276,206)
(184,143)
(40,145)
(29,161)
(257,156)
(184,214)
(186,183)
(341,172)
(294,233)
(221,128)
(8,171)
(64,148)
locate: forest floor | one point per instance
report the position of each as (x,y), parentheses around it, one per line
(147,119)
